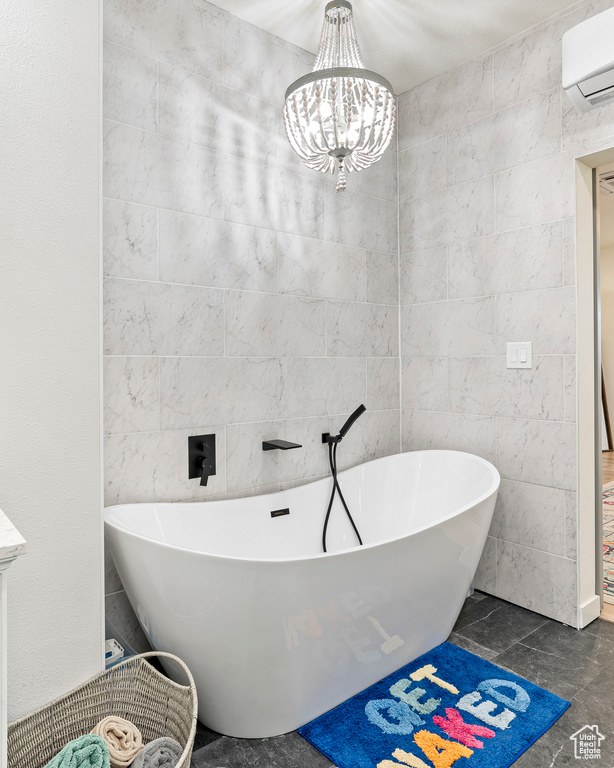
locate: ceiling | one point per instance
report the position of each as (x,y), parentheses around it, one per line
(406,41)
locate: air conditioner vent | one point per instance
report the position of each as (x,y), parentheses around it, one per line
(588,61)
(606,182)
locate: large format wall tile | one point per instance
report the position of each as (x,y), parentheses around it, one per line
(258,195)
(361,330)
(582,128)
(143,167)
(571,404)
(424,276)
(309,267)
(382,277)
(440,105)
(201,251)
(131,388)
(519,260)
(273,325)
(536,192)
(425,384)
(153,466)
(379,179)
(536,580)
(486,574)
(527,131)
(130,240)
(259,64)
(362,221)
(456,213)
(541,452)
(237,390)
(531,515)
(158,319)
(571,523)
(382,384)
(179,32)
(569,251)
(198,110)
(201,390)
(130,87)
(423,430)
(464,327)
(422,169)
(547,318)
(484,385)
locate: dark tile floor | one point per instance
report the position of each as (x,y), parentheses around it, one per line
(578,666)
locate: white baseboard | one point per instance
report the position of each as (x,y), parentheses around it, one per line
(589,611)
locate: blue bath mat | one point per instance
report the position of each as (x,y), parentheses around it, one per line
(446,706)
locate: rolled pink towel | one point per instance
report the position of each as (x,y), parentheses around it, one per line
(123,739)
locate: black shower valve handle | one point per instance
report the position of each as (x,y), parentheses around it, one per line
(201,457)
(203,465)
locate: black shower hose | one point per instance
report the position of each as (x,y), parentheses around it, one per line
(332,458)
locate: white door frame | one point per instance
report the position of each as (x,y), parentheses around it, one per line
(588,378)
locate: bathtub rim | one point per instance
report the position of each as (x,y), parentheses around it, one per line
(494,488)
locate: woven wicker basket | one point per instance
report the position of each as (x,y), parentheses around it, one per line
(133,690)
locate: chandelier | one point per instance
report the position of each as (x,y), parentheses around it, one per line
(340,116)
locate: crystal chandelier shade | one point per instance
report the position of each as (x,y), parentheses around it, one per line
(341,115)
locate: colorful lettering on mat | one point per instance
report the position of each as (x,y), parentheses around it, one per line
(402,715)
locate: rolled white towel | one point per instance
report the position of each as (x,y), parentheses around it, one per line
(123,739)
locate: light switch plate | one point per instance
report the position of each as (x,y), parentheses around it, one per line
(519,354)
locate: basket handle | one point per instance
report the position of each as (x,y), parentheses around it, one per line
(162,654)
(183,762)
(172,657)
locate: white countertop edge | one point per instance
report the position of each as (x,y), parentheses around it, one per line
(12,543)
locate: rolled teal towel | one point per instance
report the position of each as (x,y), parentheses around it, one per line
(160,753)
(84,752)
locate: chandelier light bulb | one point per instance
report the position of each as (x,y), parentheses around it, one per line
(340,116)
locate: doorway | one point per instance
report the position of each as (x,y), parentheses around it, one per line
(605,232)
(590,399)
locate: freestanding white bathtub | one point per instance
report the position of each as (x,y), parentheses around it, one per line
(274,631)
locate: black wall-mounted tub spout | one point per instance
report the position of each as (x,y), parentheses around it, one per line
(279,445)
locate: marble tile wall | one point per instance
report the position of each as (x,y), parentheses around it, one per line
(486,214)
(242,295)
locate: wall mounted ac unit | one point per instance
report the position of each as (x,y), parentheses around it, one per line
(588,61)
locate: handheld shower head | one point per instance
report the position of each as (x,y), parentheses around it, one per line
(346,427)
(333,442)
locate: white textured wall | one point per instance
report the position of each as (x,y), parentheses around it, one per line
(487,206)
(49,343)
